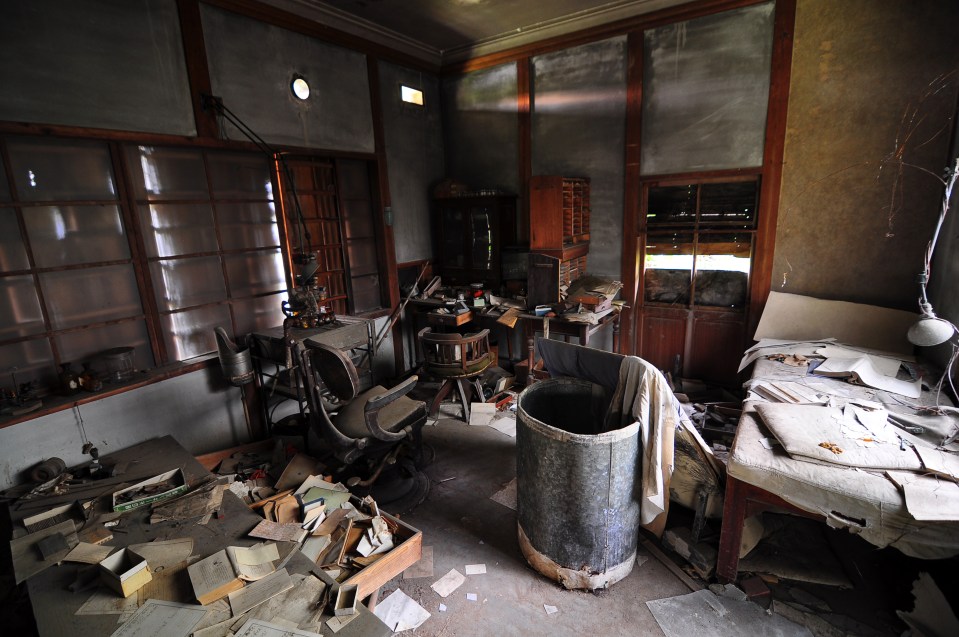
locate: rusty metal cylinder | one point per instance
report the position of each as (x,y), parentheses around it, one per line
(577,487)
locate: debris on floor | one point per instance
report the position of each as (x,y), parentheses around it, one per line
(705,614)
(401,612)
(506,496)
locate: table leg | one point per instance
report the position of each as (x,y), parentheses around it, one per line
(731,535)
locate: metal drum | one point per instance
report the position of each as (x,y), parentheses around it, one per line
(577,492)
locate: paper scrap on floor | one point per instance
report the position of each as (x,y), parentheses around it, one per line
(475,569)
(157,617)
(400,612)
(706,614)
(506,496)
(505,423)
(262,628)
(550,609)
(448,583)
(482,414)
(423,567)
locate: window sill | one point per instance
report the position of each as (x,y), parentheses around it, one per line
(55,403)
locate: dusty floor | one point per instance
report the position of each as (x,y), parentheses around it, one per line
(464,526)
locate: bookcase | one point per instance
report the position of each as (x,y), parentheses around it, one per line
(559,221)
(469,233)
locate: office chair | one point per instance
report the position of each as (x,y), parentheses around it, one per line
(458,360)
(375,434)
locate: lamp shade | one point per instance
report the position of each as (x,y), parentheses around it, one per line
(929,331)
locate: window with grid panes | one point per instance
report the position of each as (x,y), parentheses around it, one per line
(211,243)
(698,243)
(68,285)
(337,215)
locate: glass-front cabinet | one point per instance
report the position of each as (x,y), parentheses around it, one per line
(469,234)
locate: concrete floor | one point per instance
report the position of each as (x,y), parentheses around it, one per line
(465,527)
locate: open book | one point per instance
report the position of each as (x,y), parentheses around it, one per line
(861,372)
(223,572)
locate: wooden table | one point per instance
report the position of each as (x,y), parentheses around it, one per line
(54,606)
(559,325)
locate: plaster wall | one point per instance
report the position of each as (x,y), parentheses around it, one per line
(198,409)
(870,86)
(414,155)
(579,130)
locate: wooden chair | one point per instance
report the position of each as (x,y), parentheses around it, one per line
(458,360)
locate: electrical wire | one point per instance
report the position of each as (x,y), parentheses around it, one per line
(303,238)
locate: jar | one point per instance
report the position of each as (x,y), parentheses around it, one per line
(119,364)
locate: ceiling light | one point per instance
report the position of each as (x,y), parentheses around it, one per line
(411,95)
(300,87)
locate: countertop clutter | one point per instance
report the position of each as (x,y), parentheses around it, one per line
(149,539)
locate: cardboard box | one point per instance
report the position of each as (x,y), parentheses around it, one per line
(125,572)
(180,486)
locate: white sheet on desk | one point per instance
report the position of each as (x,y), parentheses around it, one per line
(883,364)
(928,498)
(801,429)
(820,488)
(770,346)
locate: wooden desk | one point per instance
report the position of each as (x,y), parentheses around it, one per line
(54,606)
(558,325)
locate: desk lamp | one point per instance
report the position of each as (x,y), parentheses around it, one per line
(930,330)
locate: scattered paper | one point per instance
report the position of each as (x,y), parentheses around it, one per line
(767,443)
(482,414)
(168,619)
(506,496)
(261,628)
(260,591)
(254,562)
(550,609)
(471,597)
(475,569)
(400,612)
(106,602)
(860,371)
(442,608)
(505,424)
(423,567)
(448,583)
(88,553)
(279,532)
(882,364)
(336,623)
(163,554)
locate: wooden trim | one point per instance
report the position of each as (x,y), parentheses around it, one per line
(386,242)
(653,19)
(632,192)
(781,65)
(728,175)
(197,68)
(152,376)
(162,139)
(306,26)
(524,96)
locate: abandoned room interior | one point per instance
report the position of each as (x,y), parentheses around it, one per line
(479,317)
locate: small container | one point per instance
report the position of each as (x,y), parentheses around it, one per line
(119,364)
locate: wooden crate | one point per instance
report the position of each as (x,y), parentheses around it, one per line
(404,554)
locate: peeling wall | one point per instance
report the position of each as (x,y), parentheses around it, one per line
(854,222)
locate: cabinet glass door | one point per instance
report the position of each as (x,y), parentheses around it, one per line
(482,238)
(452,239)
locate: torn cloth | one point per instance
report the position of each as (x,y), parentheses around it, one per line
(643,395)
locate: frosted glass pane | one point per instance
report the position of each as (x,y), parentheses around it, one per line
(167,173)
(258,313)
(362,256)
(188,334)
(90,295)
(705,92)
(247,225)
(173,229)
(33,361)
(85,345)
(67,235)
(20,312)
(13,256)
(366,293)
(255,273)
(183,283)
(53,170)
(240,176)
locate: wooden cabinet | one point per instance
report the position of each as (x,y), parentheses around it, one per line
(469,234)
(559,222)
